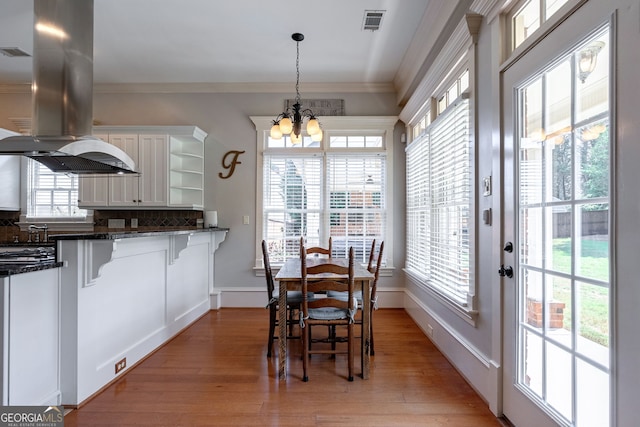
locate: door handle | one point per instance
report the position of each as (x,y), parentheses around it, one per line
(506,271)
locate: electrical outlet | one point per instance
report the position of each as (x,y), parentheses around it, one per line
(245,220)
(429,330)
(134,222)
(121,365)
(115,223)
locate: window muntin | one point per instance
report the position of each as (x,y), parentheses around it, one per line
(355,141)
(285,142)
(51,194)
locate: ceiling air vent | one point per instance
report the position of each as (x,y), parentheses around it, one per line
(372,19)
(13,52)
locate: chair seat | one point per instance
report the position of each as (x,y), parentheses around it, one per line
(328,313)
(293,297)
(343,295)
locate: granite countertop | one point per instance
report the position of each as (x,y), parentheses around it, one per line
(114,235)
(8,269)
(11,269)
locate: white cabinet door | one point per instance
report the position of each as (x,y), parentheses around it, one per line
(124,188)
(153,164)
(93,190)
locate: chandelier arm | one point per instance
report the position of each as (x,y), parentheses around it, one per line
(307,113)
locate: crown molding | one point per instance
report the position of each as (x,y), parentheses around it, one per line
(222,88)
(15,88)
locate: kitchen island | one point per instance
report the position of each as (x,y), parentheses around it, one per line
(30,331)
(124,294)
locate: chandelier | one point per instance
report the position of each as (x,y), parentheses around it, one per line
(290,121)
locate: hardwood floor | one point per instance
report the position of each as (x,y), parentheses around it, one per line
(216,373)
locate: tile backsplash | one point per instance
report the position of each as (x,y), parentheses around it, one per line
(121,220)
(8,229)
(149,220)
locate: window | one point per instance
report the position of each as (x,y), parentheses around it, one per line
(50,194)
(439,197)
(528,16)
(336,187)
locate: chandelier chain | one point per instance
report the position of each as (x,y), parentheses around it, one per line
(298,72)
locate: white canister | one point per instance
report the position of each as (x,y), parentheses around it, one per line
(210,219)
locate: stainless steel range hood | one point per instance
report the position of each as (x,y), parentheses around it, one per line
(63,95)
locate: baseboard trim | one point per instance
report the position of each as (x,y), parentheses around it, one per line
(464,356)
(256,297)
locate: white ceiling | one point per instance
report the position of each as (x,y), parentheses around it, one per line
(239,41)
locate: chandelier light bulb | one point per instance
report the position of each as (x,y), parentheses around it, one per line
(286,126)
(317,137)
(276,133)
(295,139)
(313,126)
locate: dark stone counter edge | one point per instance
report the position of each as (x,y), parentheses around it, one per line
(130,234)
(12,269)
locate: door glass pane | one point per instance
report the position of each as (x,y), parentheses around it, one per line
(532,281)
(592,82)
(593,395)
(532,111)
(532,362)
(593,246)
(592,321)
(561,147)
(558,99)
(558,309)
(531,247)
(560,247)
(592,157)
(559,379)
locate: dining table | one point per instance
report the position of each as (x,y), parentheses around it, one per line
(289,278)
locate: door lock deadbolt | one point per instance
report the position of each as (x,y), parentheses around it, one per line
(508,247)
(506,271)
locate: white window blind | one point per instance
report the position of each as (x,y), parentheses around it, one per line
(438,203)
(356,194)
(52,194)
(292,203)
(418,207)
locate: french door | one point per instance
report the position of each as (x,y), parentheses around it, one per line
(557,170)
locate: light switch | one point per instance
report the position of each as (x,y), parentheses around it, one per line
(486,216)
(245,220)
(486,186)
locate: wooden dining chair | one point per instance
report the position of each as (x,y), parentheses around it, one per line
(374,268)
(317,249)
(294,300)
(329,311)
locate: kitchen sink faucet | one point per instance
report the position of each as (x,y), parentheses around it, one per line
(35,231)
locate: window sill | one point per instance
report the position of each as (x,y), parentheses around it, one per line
(465,312)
